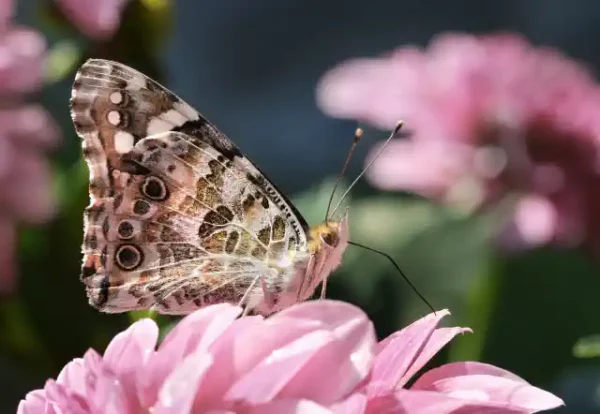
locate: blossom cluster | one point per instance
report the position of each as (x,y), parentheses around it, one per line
(27,131)
(494,119)
(317,357)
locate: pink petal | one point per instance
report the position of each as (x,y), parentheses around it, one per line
(52,408)
(456,369)
(7,155)
(179,389)
(270,377)
(422,167)
(200,329)
(535,220)
(427,402)
(347,360)
(97,19)
(7,11)
(109,397)
(347,84)
(486,388)
(127,356)
(231,347)
(289,406)
(272,334)
(94,368)
(21,61)
(397,353)
(28,195)
(34,403)
(131,349)
(356,403)
(61,396)
(29,127)
(73,376)
(360,89)
(196,331)
(236,358)
(437,341)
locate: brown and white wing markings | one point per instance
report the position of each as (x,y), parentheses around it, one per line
(178,217)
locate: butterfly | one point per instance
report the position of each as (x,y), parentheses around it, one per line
(179,218)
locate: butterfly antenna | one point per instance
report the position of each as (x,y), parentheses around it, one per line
(385,144)
(397,268)
(357,134)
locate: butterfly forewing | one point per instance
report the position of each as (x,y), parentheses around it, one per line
(178,218)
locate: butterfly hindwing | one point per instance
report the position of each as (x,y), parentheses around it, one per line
(178,218)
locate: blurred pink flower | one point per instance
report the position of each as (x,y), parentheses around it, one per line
(22,54)
(26,134)
(492,116)
(314,357)
(95,19)
(6,11)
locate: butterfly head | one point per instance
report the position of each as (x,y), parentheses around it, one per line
(326,235)
(326,245)
(328,241)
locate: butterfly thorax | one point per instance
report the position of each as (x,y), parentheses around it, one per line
(324,250)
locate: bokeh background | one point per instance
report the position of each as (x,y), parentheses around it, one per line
(467,213)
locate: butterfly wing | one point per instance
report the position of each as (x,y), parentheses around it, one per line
(178,216)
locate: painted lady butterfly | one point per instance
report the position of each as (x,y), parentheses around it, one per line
(179,218)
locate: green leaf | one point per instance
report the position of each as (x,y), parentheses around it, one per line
(440,250)
(135,316)
(547,300)
(19,336)
(587,347)
(62,60)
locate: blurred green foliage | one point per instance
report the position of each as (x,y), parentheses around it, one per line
(527,310)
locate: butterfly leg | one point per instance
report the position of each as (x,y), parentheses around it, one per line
(269,298)
(244,298)
(324,288)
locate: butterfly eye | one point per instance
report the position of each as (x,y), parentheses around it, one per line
(328,238)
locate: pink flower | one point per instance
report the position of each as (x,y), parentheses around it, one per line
(6,11)
(492,117)
(27,133)
(314,357)
(96,19)
(22,54)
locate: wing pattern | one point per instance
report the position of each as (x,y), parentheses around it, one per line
(178,217)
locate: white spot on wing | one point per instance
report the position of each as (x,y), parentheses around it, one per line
(175,117)
(157,125)
(166,121)
(136,83)
(116,97)
(123,142)
(114,118)
(186,110)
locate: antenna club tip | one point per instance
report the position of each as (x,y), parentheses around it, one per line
(399,126)
(358,133)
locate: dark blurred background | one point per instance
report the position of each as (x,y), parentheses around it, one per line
(252,68)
